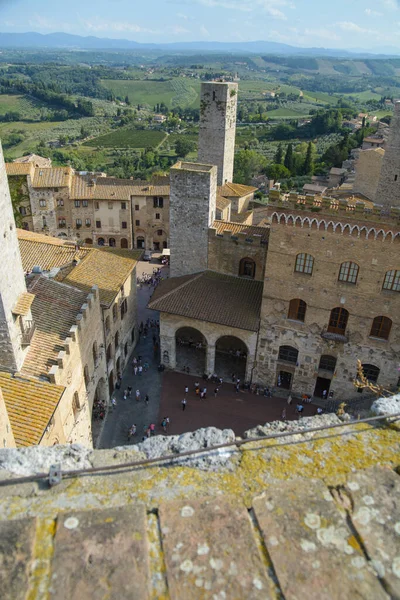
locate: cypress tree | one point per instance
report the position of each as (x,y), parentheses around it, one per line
(288,162)
(279,155)
(308,163)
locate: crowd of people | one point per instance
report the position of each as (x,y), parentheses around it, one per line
(150,279)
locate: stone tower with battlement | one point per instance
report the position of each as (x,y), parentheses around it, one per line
(388,190)
(15,313)
(192,211)
(218,103)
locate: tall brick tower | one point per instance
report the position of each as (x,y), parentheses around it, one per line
(218,104)
(15,313)
(192,210)
(388,191)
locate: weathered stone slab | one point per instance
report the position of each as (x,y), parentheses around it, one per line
(376,517)
(16,553)
(314,553)
(210,552)
(101,554)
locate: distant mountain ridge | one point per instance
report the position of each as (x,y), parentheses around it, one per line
(68,41)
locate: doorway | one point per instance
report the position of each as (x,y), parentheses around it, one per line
(322,384)
(284,380)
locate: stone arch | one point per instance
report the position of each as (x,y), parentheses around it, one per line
(306,221)
(231,354)
(322,225)
(88,241)
(290,220)
(124,243)
(355,231)
(275,218)
(314,224)
(371,233)
(363,233)
(247,268)
(330,228)
(191,350)
(298,222)
(282,220)
(380,235)
(101,241)
(347,229)
(112,242)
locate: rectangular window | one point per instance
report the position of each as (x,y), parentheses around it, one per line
(136,206)
(97,205)
(159,232)
(77,203)
(157,215)
(110,205)
(84,203)
(78,222)
(98,224)
(61,222)
(137,223)
(88,222)
(158,202)
(22,210)
(124,225)
(60,202)
(123,205)
(42,203)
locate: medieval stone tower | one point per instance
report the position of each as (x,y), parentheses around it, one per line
(15,313)
(388,190)
(218,103)
(192,211)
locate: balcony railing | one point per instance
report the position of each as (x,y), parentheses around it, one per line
(27,333)
(334,337)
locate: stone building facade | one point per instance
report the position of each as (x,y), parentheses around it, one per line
(368,169)
(150,216)
(331,297)
(388,190)
(218,105)
(192,211)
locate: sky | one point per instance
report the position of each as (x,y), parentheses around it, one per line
(367,24)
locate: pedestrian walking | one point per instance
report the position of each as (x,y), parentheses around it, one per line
(183,404)
(152,428)
(233,377)
(140,370)
(113,402)
(204,392)
(325,394)
(129,391)
(146,366)
(146,399)
(137,395)
(125,394)
(289,399)
(201,395)
(216,392)
(284,414)
(134,362)
(131,431)
(186,390)
(135,369)
(237,388)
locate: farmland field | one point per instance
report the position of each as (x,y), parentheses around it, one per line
(129,138)
(27,107)
(181,91)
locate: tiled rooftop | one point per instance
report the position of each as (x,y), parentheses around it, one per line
(222,202)
(203,296)
(316,519)
(52,177)
(45,251)
(19,169)
(23,304)
(54,311)
(237,190)
(107,268)
(30,405)
(235,228)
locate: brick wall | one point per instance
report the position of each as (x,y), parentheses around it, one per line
(368,169)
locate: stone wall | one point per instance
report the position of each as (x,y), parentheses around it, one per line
(388,191)
(368,169)
(218,104)
(170,324)
(192,210)
(6,434)
(225,252)
(12,282)
(149,224)
(322,292)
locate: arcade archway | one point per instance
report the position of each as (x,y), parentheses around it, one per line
(230,357)
(191,350)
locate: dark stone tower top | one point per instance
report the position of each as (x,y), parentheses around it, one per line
(388,191)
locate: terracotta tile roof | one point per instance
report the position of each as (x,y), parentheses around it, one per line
(23,304)
(46,252)
(35,160)
(148,189)
(108,268)
(19,169)
(82,187)
(222,202)
(235,228)
(203,296)
(30,405)
(110,188)
(237,190)
(54,311)
(52,177)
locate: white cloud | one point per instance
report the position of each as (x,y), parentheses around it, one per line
(204,31)
(353,27)
(373,13)
(177,30)
(270,7)
(115,26)
(40,22)
(390,4)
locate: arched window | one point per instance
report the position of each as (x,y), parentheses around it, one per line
(304,264)
(140,243)
(109,352)
(338,320)
(348,272)
(288,354)
(327,363)
(247,268)
(100,242)
(95,353)
(371,372)
(297,310)
(107,324)
(86,375)
(114,312)
(381,327)
(392,281)
(88,241)
(75,404)
(126,349)
(116,341)
(111,242)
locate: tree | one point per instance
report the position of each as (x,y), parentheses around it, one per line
(248,163)
(183,146)
(308,168)
(277,171)
(279,155)
(127,101)
(288,162)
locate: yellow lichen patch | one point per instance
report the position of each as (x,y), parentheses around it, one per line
(42,553)
(352,541)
